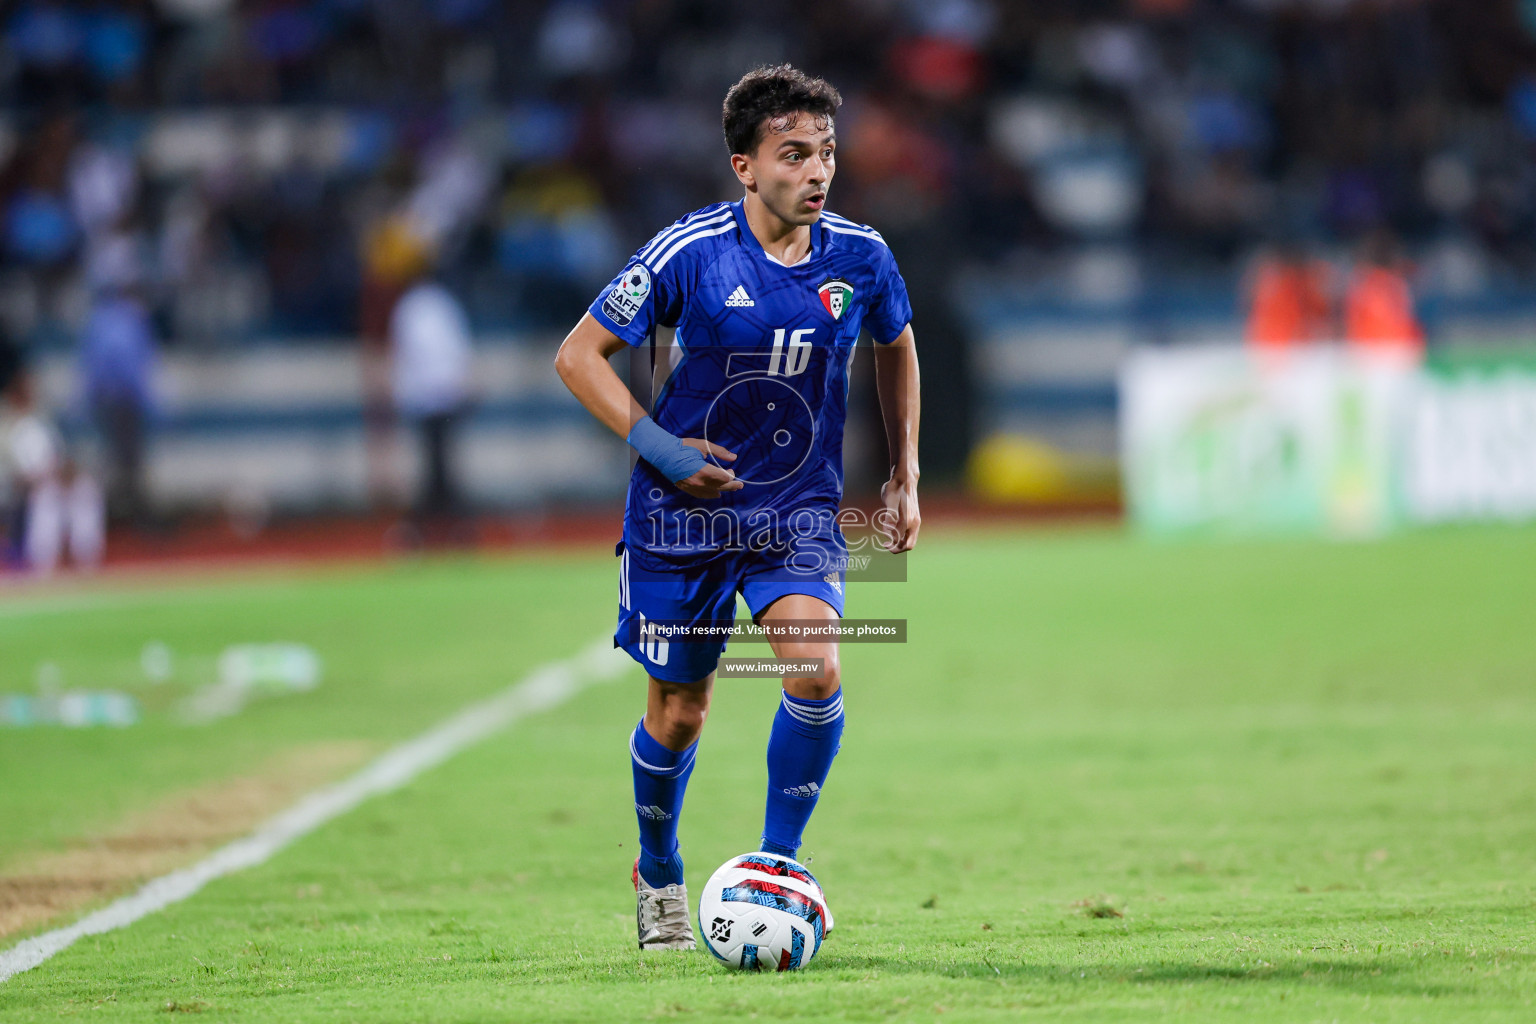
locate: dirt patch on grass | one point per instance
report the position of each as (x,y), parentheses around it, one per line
(1099,906)
(169,835)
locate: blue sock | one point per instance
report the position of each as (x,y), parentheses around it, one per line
(806,735)
(661,776)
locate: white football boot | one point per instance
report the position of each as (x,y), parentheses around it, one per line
(661,915)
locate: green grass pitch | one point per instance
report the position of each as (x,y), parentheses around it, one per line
(1106,779)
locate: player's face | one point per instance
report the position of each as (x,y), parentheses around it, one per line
(793,167)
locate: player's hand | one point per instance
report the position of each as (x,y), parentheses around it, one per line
(711,480)
(900,516)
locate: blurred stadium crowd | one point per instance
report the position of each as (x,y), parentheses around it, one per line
(194,175)
(237,158)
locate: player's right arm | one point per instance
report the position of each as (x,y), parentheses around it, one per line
(582,363)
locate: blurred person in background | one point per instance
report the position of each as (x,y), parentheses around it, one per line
(391,261)
(1379,318)
(431,356)
(36,226)
(12,497)
(54,503)
(1289,300)
(117,365)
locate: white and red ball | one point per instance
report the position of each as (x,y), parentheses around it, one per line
(761,911)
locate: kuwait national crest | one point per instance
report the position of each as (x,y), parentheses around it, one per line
(836,295)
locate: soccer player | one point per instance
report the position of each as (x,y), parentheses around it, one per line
(740,474)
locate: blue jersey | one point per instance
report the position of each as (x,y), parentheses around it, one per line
(759,365)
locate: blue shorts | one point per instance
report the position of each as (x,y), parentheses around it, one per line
(701,589)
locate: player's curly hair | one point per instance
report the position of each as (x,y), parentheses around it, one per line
(770,92)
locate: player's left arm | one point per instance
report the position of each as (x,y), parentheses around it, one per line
(897,383)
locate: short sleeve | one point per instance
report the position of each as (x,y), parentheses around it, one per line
(889,309)
(639,299)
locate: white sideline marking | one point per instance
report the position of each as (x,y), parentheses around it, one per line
(543,688)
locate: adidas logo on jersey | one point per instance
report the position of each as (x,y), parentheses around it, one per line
(807,791)
(739,297)
(652,811)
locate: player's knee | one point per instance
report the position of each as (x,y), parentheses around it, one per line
(831,678)
(683,718)
(689,719)
(818,687)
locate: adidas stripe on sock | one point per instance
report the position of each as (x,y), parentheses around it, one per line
(805,738)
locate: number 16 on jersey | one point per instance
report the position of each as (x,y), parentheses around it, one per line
(799,352)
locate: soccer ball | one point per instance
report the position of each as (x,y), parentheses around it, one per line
(761,911)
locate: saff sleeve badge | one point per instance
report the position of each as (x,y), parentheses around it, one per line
(624,302)
(836,295)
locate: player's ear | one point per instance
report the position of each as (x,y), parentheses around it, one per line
(742,165)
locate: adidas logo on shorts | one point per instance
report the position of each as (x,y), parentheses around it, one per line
(739,297)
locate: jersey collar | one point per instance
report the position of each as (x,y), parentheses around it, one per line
(748,239)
